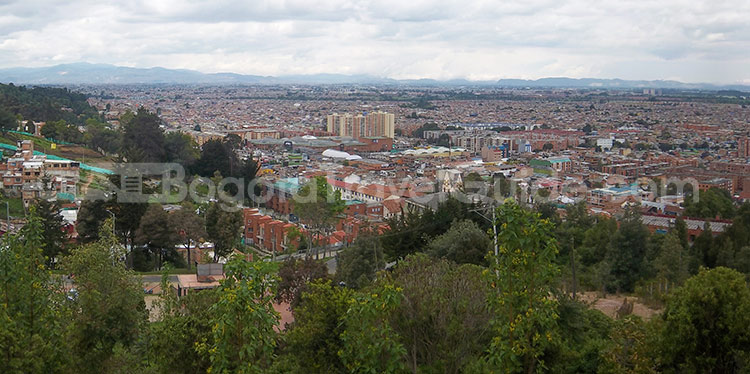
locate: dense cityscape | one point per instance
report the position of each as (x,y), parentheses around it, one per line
(349,187)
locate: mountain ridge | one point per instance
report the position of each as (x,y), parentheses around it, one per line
(88,73)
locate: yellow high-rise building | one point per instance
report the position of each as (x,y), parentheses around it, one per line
(374,124)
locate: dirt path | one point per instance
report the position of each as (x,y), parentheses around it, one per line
(85,186)
(611,303)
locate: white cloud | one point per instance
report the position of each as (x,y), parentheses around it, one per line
(642,39)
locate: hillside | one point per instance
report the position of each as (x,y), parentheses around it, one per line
(46,103)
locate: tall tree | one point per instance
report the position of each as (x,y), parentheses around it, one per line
(128,207)
(463,243)
(296,275)
(244,319)
(143,139)
(189,227)
(370,344)
(629,349)
(521,282)
(315,337)
(713,203)
(443,320)
(672,262)
(358,264)
(318,205)
(7,121)
(705,324)
(215,156)
(627,252)
(55,239)
(233,141)
(405,235)
(247,172)
(703,251)
(90,216)
(177,340)
(223,227)
(32,313)
(156,233)
(181,148)
(109,311)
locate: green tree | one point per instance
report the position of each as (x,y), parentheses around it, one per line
(705,324)
(627,251)
(181,148)
(54,129)
(314,339)
(233,141)
(90,215)
(712,203)
(464,243)
(405,235)
(223,227)
(412,231)
(30,127)
(703,252)
(7,121)
(244,319)
(109,311)
(215,156)
(156,234)
(547,210)
(248,171)
(629,348)
(295,276)
(521,282)
(443,320)
(128,207)
(318,205)
(189,227)
(672,262)
(32,316)
(55,239)
(176,340)
(143,138)
(358,264)
(103,139)
(681,231)
(370,344)
(585,336)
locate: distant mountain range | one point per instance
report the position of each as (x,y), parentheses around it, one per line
(85,73)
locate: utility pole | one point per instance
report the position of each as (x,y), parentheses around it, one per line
(494,226)
(113,233)
(573,264)
(113,221)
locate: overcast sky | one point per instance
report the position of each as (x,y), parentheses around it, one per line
(690,41)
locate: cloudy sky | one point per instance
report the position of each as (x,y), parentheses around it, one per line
(691,41)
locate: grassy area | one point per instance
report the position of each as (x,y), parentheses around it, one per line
(15,206)
(43,145)
(7,140)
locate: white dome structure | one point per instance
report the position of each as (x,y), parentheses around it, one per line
(332,153)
